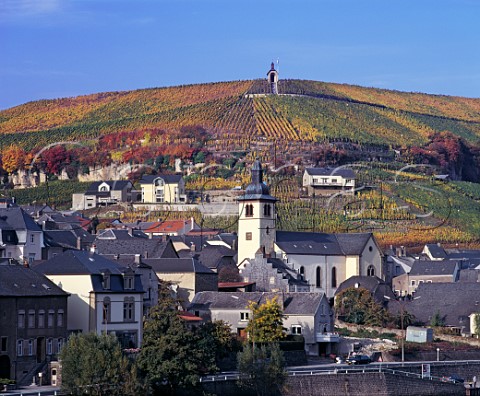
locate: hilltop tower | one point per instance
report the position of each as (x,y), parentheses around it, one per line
(272,77)
(256,217)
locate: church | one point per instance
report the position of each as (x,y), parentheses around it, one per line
(297,261)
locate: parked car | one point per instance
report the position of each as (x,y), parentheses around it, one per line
(339,360)
(359,359)
(454,378)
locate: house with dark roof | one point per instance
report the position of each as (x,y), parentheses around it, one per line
(59,241)
(105,297)
(329,180)
(426,271)
(455,302)
(21,237)
(163,188)
(33,325)
(188,276)
(307,314)
(434,252)
(380,291)
(103,193)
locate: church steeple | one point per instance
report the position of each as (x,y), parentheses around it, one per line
(256,217)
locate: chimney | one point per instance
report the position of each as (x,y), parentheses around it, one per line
(150,235)
(25,262)
(192,220)
(145,254)
(79,243)
(192,247)
(93,248)
(164,238)
(130,231)
(137,258)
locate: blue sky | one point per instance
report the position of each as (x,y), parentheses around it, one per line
(63,48)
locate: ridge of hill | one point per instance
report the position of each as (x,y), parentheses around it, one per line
(303,111)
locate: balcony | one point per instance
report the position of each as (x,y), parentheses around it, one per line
(327,337)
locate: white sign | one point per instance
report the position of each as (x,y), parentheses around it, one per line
(426,371)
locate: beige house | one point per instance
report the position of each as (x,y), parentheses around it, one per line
(102,193)
(426,271)
(306,314)
(163,189)
(329,180)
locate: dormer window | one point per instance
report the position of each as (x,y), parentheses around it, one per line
(128,282)
(106,281)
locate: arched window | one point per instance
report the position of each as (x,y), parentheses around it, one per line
(302,272)
(318,277)
(249,210)
(334,277)
(371,270)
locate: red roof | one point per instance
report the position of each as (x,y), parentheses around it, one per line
(189,317)
(234,284)
(167,226)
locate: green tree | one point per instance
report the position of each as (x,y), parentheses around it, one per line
(437,320)
(356,305)
(94,365)
(172,356)
(476,324)
(266,323)
(262,368)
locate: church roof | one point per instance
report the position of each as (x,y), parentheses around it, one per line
(319,243)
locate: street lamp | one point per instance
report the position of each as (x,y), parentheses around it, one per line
(438,354)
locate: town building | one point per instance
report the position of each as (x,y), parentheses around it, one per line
(33,322)
(103,193)
(321,181)
(163,189)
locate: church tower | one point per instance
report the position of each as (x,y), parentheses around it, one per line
(272,77)
(256,217)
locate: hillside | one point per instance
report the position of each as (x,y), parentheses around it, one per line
(236,112)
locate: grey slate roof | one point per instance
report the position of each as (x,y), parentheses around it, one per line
(213,255)
(116,284)
(293,303)
(112,233)
(20,281)
(427,267)
(153,247)
(168,179)
(377,287)
(18,219)
(77,262)
(454,301)
(115,185)
(436,251)
(344,172)
(177,265)
(316,243)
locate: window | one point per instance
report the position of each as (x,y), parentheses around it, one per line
(370,249)
(267,210)
(128,309)
(302,271)
(244,316)
(429,281)
(248,236)
(21,319)
(3,344)
(31,258)
(30,347)
(296,329)
(106,316)
(371,270)
(32,238)
(106,281)
(41,318)
(31,318)
(413,283)
(60,318)
(334,180)
(128,282)
(318,277)
(249,210)
(20,348)
(334,277)
(51,316)
(59,344)
(50,346)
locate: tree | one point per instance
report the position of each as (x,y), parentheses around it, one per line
(111,373)
(437,320)
(356,305)
(262,368)
(172,356)
(13,158)
(266,323)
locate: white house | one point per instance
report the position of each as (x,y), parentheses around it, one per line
(329,180)
(104,296)
(103,193)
